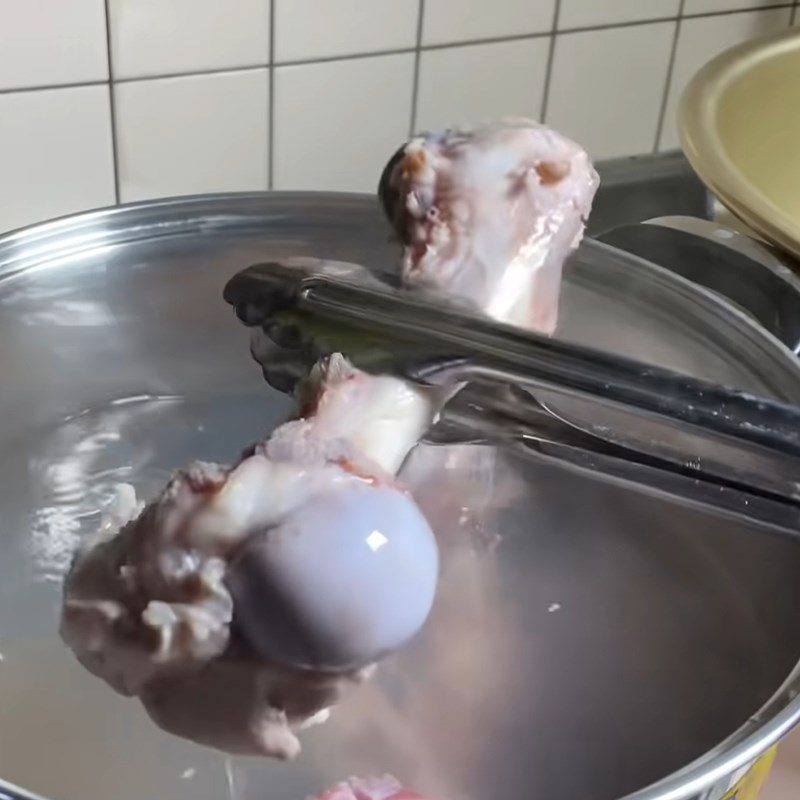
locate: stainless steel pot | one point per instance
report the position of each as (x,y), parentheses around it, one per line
(648,647)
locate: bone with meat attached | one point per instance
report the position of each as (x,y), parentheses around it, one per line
(241,603)
(490,214)
(244,601)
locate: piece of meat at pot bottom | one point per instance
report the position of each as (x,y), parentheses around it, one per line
(489,215)
(244,601)
(386,788)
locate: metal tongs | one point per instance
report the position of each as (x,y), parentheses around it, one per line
(594,410)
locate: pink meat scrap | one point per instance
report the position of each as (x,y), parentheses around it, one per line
(385,788)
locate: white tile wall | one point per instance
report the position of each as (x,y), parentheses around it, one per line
(55,153)
(156,37)
(47,42)
(585,13)
(309,29)
(619,75)
(702,38)
(484,81)
(208,94)
(187,135)
(337,122)
(462,20)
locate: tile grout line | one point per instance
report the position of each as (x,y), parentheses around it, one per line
(548,70)
(396,51)
(51,86)
(731,11)
(160,76)
(112,105)
(271,99)
(412,123)
(662,113)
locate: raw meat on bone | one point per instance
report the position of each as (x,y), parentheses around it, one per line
(166,605)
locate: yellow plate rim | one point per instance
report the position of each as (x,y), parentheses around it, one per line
(703,147)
